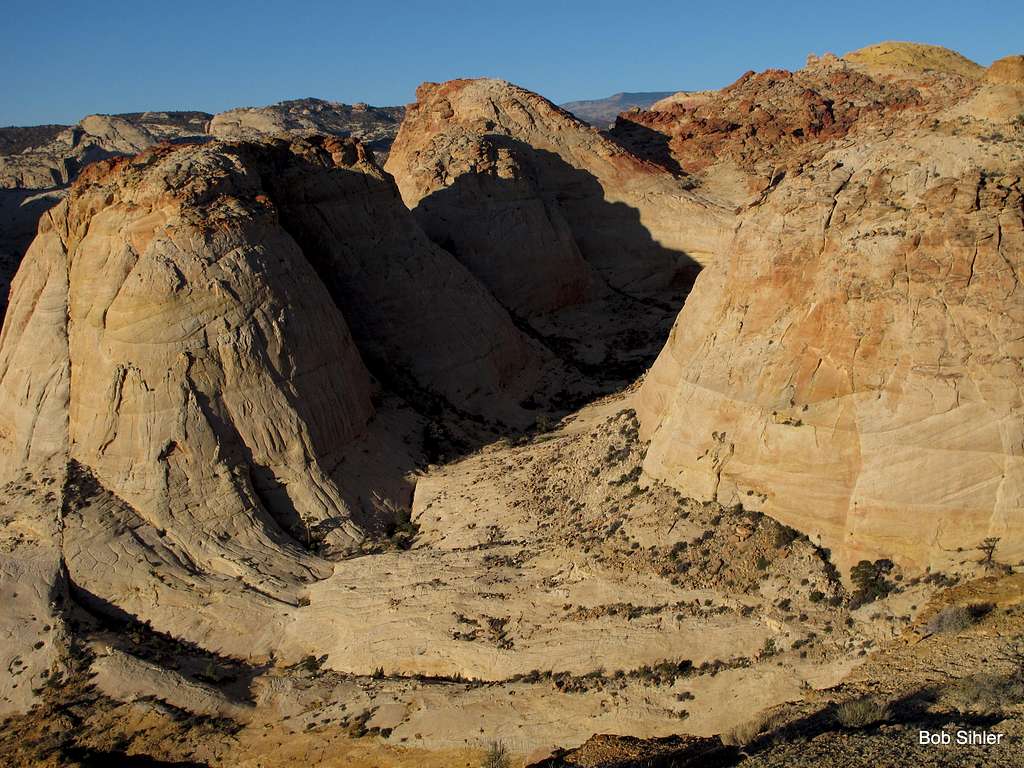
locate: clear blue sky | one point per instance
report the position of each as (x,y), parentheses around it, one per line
(62,60)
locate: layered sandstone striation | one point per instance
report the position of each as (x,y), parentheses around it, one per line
(515,186)
(853,365)
(183,392)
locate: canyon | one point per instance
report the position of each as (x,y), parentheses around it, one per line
(348,435)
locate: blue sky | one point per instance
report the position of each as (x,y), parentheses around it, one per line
(61,60)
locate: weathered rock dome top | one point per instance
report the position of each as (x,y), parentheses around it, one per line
(1009,69)
(917,56)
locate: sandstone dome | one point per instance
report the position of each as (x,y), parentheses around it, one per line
(915,56)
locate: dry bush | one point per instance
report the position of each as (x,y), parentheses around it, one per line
(746,732)
(956,618)
(496,756)
(985,694)
(1012,652)
(862,713)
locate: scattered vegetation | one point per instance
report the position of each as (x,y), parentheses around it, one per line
(863,712)
(956,618)
(985,693)
(746,732)
(988,551)
(870,581)
(496,756)
(1012,651)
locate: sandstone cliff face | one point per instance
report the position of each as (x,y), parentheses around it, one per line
(853,366)
(1009,69)
(181,389)
(568,201)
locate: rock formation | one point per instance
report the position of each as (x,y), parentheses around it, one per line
(914,59)
(37,164)
(852,365)
(232,530)
(738,141)
(569,202)
(374,126)
(177,359)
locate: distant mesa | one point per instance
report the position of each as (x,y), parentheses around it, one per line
(602,112)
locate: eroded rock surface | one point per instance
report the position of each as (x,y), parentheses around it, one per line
(374,126)
(177,364)
(853,365)
(38,163)
(567,203)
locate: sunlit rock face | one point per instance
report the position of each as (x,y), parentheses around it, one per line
(852,365)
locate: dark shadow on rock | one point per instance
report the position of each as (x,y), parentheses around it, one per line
(607,751)
(910,711)
(20,210)
(645,143)
(631,285)
(609,235)
(93,616)
(285,525)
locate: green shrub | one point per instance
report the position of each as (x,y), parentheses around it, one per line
(870,580)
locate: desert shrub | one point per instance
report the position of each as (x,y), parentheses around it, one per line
(956,618)
(987,547)
(746,732)
(1012,651)
(817,596)
(863,712)
(986,693)
(870,580)
(496,756)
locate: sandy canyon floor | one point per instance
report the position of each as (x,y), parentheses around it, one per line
(545,592)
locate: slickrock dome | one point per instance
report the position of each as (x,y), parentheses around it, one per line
(178,359)
(567,203)
(915,56)
(853,366)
